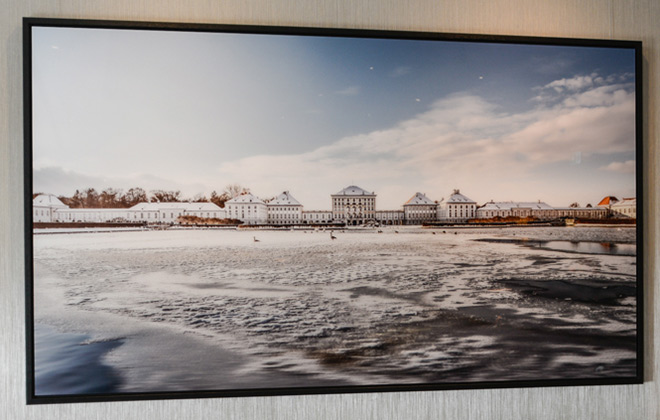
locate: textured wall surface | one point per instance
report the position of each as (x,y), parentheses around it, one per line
(620,19)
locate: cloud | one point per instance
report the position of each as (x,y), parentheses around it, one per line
(584,90)
(400,71)
(460,141)
(627,167)
(349,91)
(572,84)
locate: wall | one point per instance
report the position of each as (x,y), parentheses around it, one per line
(623,19)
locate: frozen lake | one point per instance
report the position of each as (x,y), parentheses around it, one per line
(215,309)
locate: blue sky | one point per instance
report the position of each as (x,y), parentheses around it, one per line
(198,111)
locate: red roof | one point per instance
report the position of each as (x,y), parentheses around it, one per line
(608,201)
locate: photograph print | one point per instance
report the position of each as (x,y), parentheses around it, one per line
(240,211)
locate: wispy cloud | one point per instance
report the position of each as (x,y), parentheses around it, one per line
(400,71)
(627,167)
(572,84)
(349,91)
(460,140)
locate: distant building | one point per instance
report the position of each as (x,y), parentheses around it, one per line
(538,210)
(390,217)
(317,217)
(94,215)
(284,210)
(458,208)
(608,201)
(170,212)
(248,208)
(420,209)
(353,206)
(45,206)
(627,207)
(512,209)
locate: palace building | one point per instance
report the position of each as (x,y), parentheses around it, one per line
(284,210)
(248,208)
(352,206)
(420,209)
(627,207)
(458,208)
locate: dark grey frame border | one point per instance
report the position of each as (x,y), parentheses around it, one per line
(30,22)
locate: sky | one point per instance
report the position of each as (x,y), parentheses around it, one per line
(196,112)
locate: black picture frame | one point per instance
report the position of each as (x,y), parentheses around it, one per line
(34,110)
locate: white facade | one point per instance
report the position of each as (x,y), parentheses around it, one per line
(390,217)
(511,209)
(458,208)
(284,210)
(170,212)
(538,210)
(316,217)
(627,207)
(353,205)
(420,209)
(248,208)
(92,215)
(45,206)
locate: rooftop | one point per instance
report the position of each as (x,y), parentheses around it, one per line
(284,199)
(608,201)
(188,206)
(508,205)
(245,198)
(355,190)
(419,198)
(632,201)
(48,200)
(457,197)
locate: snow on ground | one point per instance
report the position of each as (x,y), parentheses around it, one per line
(420,305)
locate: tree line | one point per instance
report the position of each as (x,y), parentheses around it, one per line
(116,198)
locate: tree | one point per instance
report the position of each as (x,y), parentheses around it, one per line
(200,198)
(110,198)
(91,198)
(162,196)
(219,200)
(134,196)
(78,200)
(234,190)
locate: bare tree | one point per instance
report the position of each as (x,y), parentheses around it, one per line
(134,196)
(110,198)
(199,198)
(234,190)
(219,199)
(162,196)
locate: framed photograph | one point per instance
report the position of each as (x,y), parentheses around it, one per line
(215,210)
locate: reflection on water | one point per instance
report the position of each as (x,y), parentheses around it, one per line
(608,248)
(66,364)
